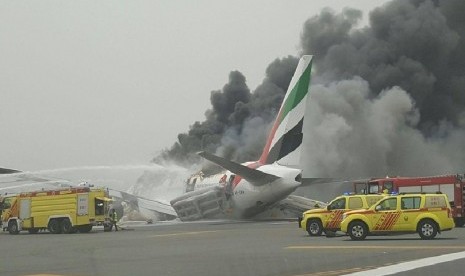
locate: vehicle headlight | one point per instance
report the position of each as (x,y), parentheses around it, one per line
(344,216)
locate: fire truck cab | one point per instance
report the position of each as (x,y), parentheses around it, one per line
(451,185)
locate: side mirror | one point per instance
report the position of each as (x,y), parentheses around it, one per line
(378,208)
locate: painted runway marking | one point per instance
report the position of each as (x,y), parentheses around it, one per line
(406,266)
(373,247)
(44,275)
(337,272)
(182,234)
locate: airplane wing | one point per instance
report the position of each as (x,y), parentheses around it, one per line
(253,176)
(144,203)
(7,171)
(300,204)
(13,181)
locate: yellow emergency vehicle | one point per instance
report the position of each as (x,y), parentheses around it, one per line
(66,210)
(425,214)
(328,219)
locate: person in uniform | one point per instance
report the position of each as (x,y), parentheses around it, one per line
(114,219)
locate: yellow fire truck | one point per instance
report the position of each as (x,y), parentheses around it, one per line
(60,211)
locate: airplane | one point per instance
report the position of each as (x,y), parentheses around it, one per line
(249,189)
(245,190)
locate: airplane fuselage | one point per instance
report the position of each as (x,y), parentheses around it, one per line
(246,200)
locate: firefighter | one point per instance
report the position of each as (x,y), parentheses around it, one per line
(114,219)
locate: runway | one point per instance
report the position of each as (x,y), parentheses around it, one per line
(219,248)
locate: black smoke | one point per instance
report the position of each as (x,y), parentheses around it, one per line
(238,121)
(389,97)
(417,45)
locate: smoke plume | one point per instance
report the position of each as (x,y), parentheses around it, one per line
(237,124)
(387,98)
(391,99)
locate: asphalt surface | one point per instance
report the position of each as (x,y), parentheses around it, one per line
(218,248)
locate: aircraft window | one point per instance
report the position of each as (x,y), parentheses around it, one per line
(410,203)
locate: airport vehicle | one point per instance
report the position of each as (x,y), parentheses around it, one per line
(317,221)
(245,190)
(426,214)
(451,185)
(64,210)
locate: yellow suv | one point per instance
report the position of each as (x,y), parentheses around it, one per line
(328,219)
(426,214)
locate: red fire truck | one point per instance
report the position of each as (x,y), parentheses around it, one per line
(451,185)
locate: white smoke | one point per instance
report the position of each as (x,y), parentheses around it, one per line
(164,183)
(350,134)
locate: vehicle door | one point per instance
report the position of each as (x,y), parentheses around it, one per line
(410,209)
(336,208)
(386,215)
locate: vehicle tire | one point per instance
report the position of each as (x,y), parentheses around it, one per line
(314,227)
(33,230)
(85,228)
(357,230)
(13,227)
(427,229)
(54,226)
(66,226)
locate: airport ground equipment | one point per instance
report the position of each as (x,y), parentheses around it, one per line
(65,210)
(328,218)
(451,185)
(426,214)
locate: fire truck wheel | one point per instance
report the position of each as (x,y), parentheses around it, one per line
(66,226)
(314,227)
(54,226)
(427,229)
(13,227)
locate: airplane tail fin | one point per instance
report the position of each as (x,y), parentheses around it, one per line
(284,141)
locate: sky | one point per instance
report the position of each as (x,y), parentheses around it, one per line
(108,83)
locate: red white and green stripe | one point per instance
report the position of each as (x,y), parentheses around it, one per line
(285,139)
